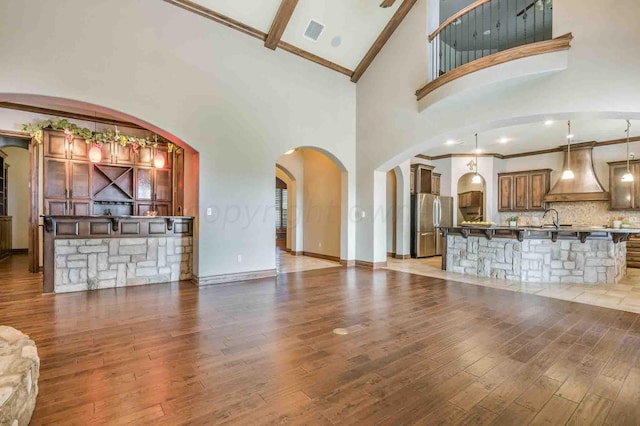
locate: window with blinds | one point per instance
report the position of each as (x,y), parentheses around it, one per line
(281,209)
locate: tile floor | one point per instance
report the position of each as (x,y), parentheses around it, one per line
(289,263)
(623,296)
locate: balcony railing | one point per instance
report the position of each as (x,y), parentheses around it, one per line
(487,27)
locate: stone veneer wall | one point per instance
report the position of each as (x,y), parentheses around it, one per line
(19,372)
(565,261)
(90,264)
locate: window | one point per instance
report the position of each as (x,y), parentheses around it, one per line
(281,205)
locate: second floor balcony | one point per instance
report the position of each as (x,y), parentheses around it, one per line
(486,33)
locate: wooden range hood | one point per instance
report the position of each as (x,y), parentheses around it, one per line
(585,186)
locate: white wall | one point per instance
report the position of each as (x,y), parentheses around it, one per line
(18,160)
(238,104)
(391,211)
(601,81)
(322,195)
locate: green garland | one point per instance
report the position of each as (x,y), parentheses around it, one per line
(71,129)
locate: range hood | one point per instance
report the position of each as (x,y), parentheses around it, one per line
(585,186)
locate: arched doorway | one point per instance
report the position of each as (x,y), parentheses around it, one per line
(471,198)
(317,228)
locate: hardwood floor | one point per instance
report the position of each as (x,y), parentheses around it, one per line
(419,350)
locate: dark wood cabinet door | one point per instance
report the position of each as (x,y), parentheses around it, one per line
(80,179)
(123,154)
(107,153)
(79,149)
(80,207)
(55,145)
(538,188)
(178,183)
(163,185)
(621,194)
(55,178)
(435,184)
(163,209)
(144,157)
(144,184)
(505,185)
(143,208)
(520,192)
(55,207)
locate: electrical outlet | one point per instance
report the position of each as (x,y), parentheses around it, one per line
(208,211)
(239,258)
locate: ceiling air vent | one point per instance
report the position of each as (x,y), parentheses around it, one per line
(314,30)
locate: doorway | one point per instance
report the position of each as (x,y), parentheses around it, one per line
(282,210)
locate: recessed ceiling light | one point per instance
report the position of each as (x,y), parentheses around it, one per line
(336,41)
(486,32)
(504,140)
(452,142)
(548,122)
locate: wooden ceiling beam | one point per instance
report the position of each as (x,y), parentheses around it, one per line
(387,3)
(382,39)
(280,22)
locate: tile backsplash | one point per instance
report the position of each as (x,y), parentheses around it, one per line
(575,213)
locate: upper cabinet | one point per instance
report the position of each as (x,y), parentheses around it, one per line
(624,195)
(523,191)
(424,180)
(124,182)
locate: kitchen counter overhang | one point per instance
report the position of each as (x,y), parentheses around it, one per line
(94,252)
(581,233)
(579,255)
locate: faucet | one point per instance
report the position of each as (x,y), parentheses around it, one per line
(556,222)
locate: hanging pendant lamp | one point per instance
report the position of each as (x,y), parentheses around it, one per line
(476,178)
(568,173)
(628,177)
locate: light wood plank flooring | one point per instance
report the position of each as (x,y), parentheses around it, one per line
(419,350)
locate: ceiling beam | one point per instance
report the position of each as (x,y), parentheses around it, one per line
(387,3)
(73,115)
(254,32)
(382,39)
(280,22)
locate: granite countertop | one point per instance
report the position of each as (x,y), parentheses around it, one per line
(115,217)
(577,228)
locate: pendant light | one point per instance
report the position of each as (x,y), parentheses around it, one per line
(95,153)
(476,178)
(628,177)
(158,159)
(568,173)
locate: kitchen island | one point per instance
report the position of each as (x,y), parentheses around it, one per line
(96,252)
(583,255)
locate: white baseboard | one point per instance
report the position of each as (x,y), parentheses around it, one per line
(230,278)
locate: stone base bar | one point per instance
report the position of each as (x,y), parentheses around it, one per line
(90,253)
(19,372)
(591,262)
(579,255)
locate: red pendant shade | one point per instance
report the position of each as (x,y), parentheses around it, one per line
(95,154)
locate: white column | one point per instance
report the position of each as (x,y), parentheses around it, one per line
(403,209)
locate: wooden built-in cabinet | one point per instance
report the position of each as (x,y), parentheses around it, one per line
(424,180)
(4,185)
(524,190)
(470,199)
(624,195)
(123,183)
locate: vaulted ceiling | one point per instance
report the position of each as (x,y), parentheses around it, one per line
(354,30)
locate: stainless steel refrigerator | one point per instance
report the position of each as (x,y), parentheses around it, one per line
(429,211)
